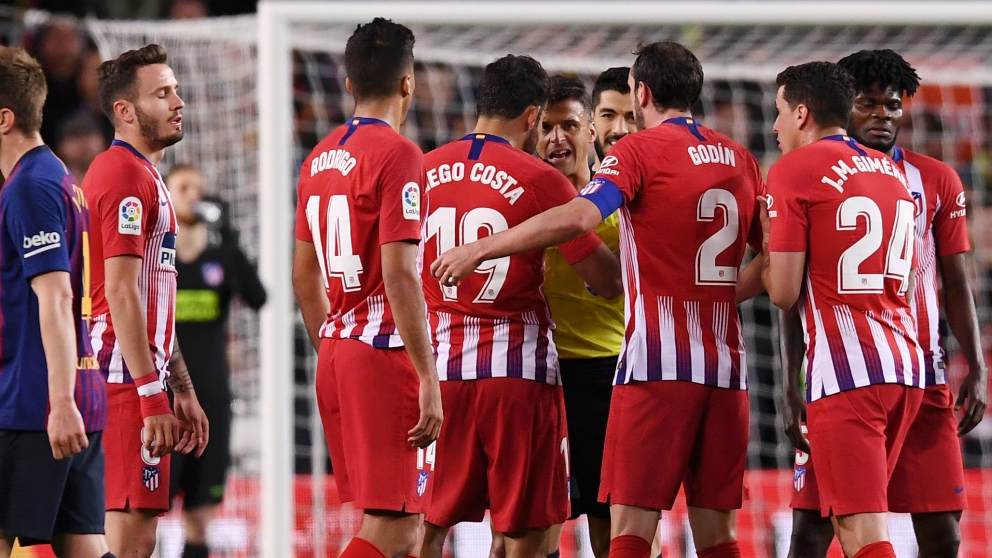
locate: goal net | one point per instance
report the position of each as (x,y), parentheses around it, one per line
(250,151)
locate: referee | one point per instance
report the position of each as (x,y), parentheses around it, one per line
(212,269)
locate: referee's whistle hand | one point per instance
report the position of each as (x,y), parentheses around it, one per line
(66,431)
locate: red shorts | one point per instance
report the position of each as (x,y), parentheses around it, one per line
(856,437)
(369,400)
(663,434)
(503,445)
(135,479)
(929,475)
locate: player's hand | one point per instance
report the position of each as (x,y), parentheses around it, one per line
(974,390)
(66,431)
(456,264)
(193,423)
(431,415)
(160,434)
(793,411)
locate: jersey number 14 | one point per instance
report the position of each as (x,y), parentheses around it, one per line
(337,258)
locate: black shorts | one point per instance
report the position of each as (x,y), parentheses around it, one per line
(41,495)
(202,479)
(588,386)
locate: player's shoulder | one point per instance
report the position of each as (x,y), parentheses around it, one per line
(115,163)
(38,172)
(929,166)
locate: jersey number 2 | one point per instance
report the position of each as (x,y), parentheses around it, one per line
(441,223)
(898,257)
(707,272)
(338,259)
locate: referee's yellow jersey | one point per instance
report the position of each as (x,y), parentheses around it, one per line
(586,326)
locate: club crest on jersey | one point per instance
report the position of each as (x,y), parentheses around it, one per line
(129,216)
(411,201)
(799,478)
(150,477)
(422,482)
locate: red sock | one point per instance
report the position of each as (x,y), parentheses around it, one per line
(361,548)
(629,546)
(880,549)
(725,550)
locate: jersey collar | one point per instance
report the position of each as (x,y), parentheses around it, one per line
(478,141)
(356,121)
(897,154)
(689,123)
(130,148)
(851,142)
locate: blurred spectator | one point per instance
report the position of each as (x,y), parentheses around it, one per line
(59,48)
(187,9)
(86,81)
(80,140)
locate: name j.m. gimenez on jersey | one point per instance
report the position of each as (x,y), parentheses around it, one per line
(842,171)
(481,173)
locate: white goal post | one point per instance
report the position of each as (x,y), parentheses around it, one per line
(276,21)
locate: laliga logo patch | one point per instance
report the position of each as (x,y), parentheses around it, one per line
(129,216)
(411,201)
(422,482)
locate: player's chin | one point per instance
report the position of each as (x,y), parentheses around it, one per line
(173,137)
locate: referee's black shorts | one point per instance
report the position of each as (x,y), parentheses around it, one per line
(588,387)
(202,479)
(41,495)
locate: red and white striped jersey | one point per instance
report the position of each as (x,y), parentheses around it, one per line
(496,322)
(941,230)
(849,209)
(132,215)
(359,189)
(687,198)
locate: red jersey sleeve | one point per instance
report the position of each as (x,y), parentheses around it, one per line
(554,190)
(125,202)
(302,224)
(755,235)
(786,208)
(400,179)
(950,226)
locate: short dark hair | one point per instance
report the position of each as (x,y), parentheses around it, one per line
(24,89)
(882,68)
(510,85)
(567,88)
(376,57)
(672,73)
(116,78)
(825,88)
(614,79)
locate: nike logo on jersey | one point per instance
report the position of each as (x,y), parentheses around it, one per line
(43,241)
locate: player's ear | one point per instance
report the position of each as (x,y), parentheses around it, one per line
(531,116)
(124,111)
(407,85)
(347,85)
(643,95)
(592,132)
(7,119)
(802,116)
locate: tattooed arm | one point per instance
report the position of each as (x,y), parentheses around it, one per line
(192,419)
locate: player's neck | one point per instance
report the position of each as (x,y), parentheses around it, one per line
(15,145)
(582,177)
(137,141)
(816,134)
(654,117)
(510,130)
(390,111)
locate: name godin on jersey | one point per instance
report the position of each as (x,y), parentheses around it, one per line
(42,242)
(843,171)
(339,159)
(705,153)
(481,173)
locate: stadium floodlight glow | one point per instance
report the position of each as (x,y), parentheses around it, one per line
(276,22)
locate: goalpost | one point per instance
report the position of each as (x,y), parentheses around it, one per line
(277,23)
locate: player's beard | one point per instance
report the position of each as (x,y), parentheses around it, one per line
(150,130)
(883,146)
(639,118)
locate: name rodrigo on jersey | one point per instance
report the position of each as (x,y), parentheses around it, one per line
(480,173)
(339,159)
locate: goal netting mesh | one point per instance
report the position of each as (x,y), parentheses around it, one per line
(215,61)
